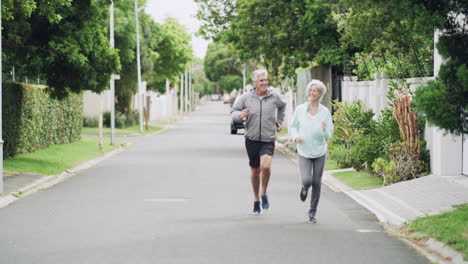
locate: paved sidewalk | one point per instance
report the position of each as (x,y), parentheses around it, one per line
(405,201)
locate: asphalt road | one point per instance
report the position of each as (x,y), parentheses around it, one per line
(184,196)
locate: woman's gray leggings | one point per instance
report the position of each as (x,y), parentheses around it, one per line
(311,174)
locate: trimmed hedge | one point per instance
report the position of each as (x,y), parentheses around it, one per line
(33,120)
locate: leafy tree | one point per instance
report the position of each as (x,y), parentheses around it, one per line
(227,83)
(170,54)
(386,38)
(444,101)
(284,35)
(221,60)
(62,41)
(164,52)
(200,82)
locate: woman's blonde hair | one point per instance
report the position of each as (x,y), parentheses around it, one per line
(321,88)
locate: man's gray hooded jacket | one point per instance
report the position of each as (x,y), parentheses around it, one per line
(260,124)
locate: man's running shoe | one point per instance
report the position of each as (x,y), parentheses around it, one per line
(303,194)
(256,208)
(312,219)
(265,204)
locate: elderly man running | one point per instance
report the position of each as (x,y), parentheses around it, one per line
(264,113)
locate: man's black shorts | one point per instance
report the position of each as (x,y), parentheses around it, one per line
(255,149)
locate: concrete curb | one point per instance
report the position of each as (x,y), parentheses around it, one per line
(49,181)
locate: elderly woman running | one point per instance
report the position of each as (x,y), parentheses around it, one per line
(310,128)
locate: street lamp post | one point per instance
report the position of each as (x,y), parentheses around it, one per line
(181,94)
(243,77)
(189,74)
(112,83)
(1,75)
(186,92)
(140,94)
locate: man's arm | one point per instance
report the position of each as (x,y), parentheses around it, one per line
(237,108)
(281,109)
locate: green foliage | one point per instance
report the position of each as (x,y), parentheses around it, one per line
(32,120)
(63,42)
(387,37)
(386,169)
(358,138)
(132,118)
(168,54)
(358,180)
(90,121)
(227,83)
(340,154)
(201,82)
(436,102)
(120,120)
(351,119)
(408,165)
(55,159)
(284,35)
(450,228)
(366,149)
(165,52)
(221,60)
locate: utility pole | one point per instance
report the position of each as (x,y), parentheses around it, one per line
(168,101)
(140,93)
(1,132)
(112,83)
(243,78)
(181,93)
(186,92)
(190,89)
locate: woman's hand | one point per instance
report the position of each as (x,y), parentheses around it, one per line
(324,126)
(299,140)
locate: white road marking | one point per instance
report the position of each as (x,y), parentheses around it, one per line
(165,200)
(368,231)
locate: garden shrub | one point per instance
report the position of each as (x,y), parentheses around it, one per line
(351,119)
(106,119)
(120,120)
(408,165)
(365,151)
(33,120)
(90,121)
(340,154)
(387,170)
(133,118)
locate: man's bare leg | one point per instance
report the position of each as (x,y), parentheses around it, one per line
(265,166)
(255,179)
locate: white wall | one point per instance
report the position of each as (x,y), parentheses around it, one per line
(162,107)
(94,103)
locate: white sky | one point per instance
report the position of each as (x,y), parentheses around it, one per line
(184,11)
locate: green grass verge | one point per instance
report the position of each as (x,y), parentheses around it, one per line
(450,228)
(359,180)
(57,158)
(331,165)
(133,130)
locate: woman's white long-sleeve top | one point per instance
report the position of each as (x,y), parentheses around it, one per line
(309,128)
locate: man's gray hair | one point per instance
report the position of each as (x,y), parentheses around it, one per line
(321,88)
(257,73)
